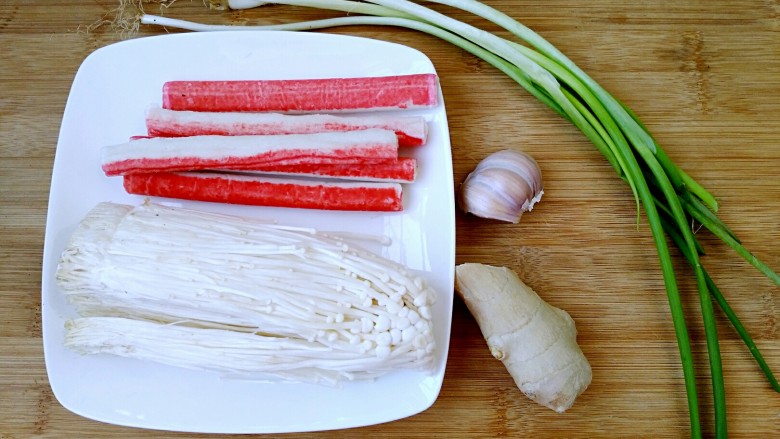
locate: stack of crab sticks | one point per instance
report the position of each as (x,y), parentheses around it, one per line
(302,143)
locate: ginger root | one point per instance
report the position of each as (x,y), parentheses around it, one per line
(536,341)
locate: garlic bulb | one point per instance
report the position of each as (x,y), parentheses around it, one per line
(502,186)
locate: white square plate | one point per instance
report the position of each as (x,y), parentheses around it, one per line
(111,91)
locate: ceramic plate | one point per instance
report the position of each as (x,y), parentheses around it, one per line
(111,91)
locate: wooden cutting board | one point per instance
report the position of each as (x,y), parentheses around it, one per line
(702,75)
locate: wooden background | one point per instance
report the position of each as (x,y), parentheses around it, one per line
(703,75)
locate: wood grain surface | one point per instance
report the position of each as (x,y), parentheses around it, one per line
(704,76)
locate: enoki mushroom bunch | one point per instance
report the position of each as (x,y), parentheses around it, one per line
(243,298)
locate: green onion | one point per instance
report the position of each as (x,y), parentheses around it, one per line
(725,307)
(671,198)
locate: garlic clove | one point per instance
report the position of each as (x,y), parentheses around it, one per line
(503,186)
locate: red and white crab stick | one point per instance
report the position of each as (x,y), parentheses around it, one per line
(160,122)
(263,191)
(403,170)
(304,95)
(161,154)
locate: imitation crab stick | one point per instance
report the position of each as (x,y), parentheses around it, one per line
(403,170)
(262,191)
(160,122)
(242,152)
(304,95)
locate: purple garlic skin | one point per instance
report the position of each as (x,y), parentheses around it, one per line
(503,186)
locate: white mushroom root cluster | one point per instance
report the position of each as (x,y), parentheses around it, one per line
(244,298)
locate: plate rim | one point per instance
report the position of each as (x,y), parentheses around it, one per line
(48,275)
